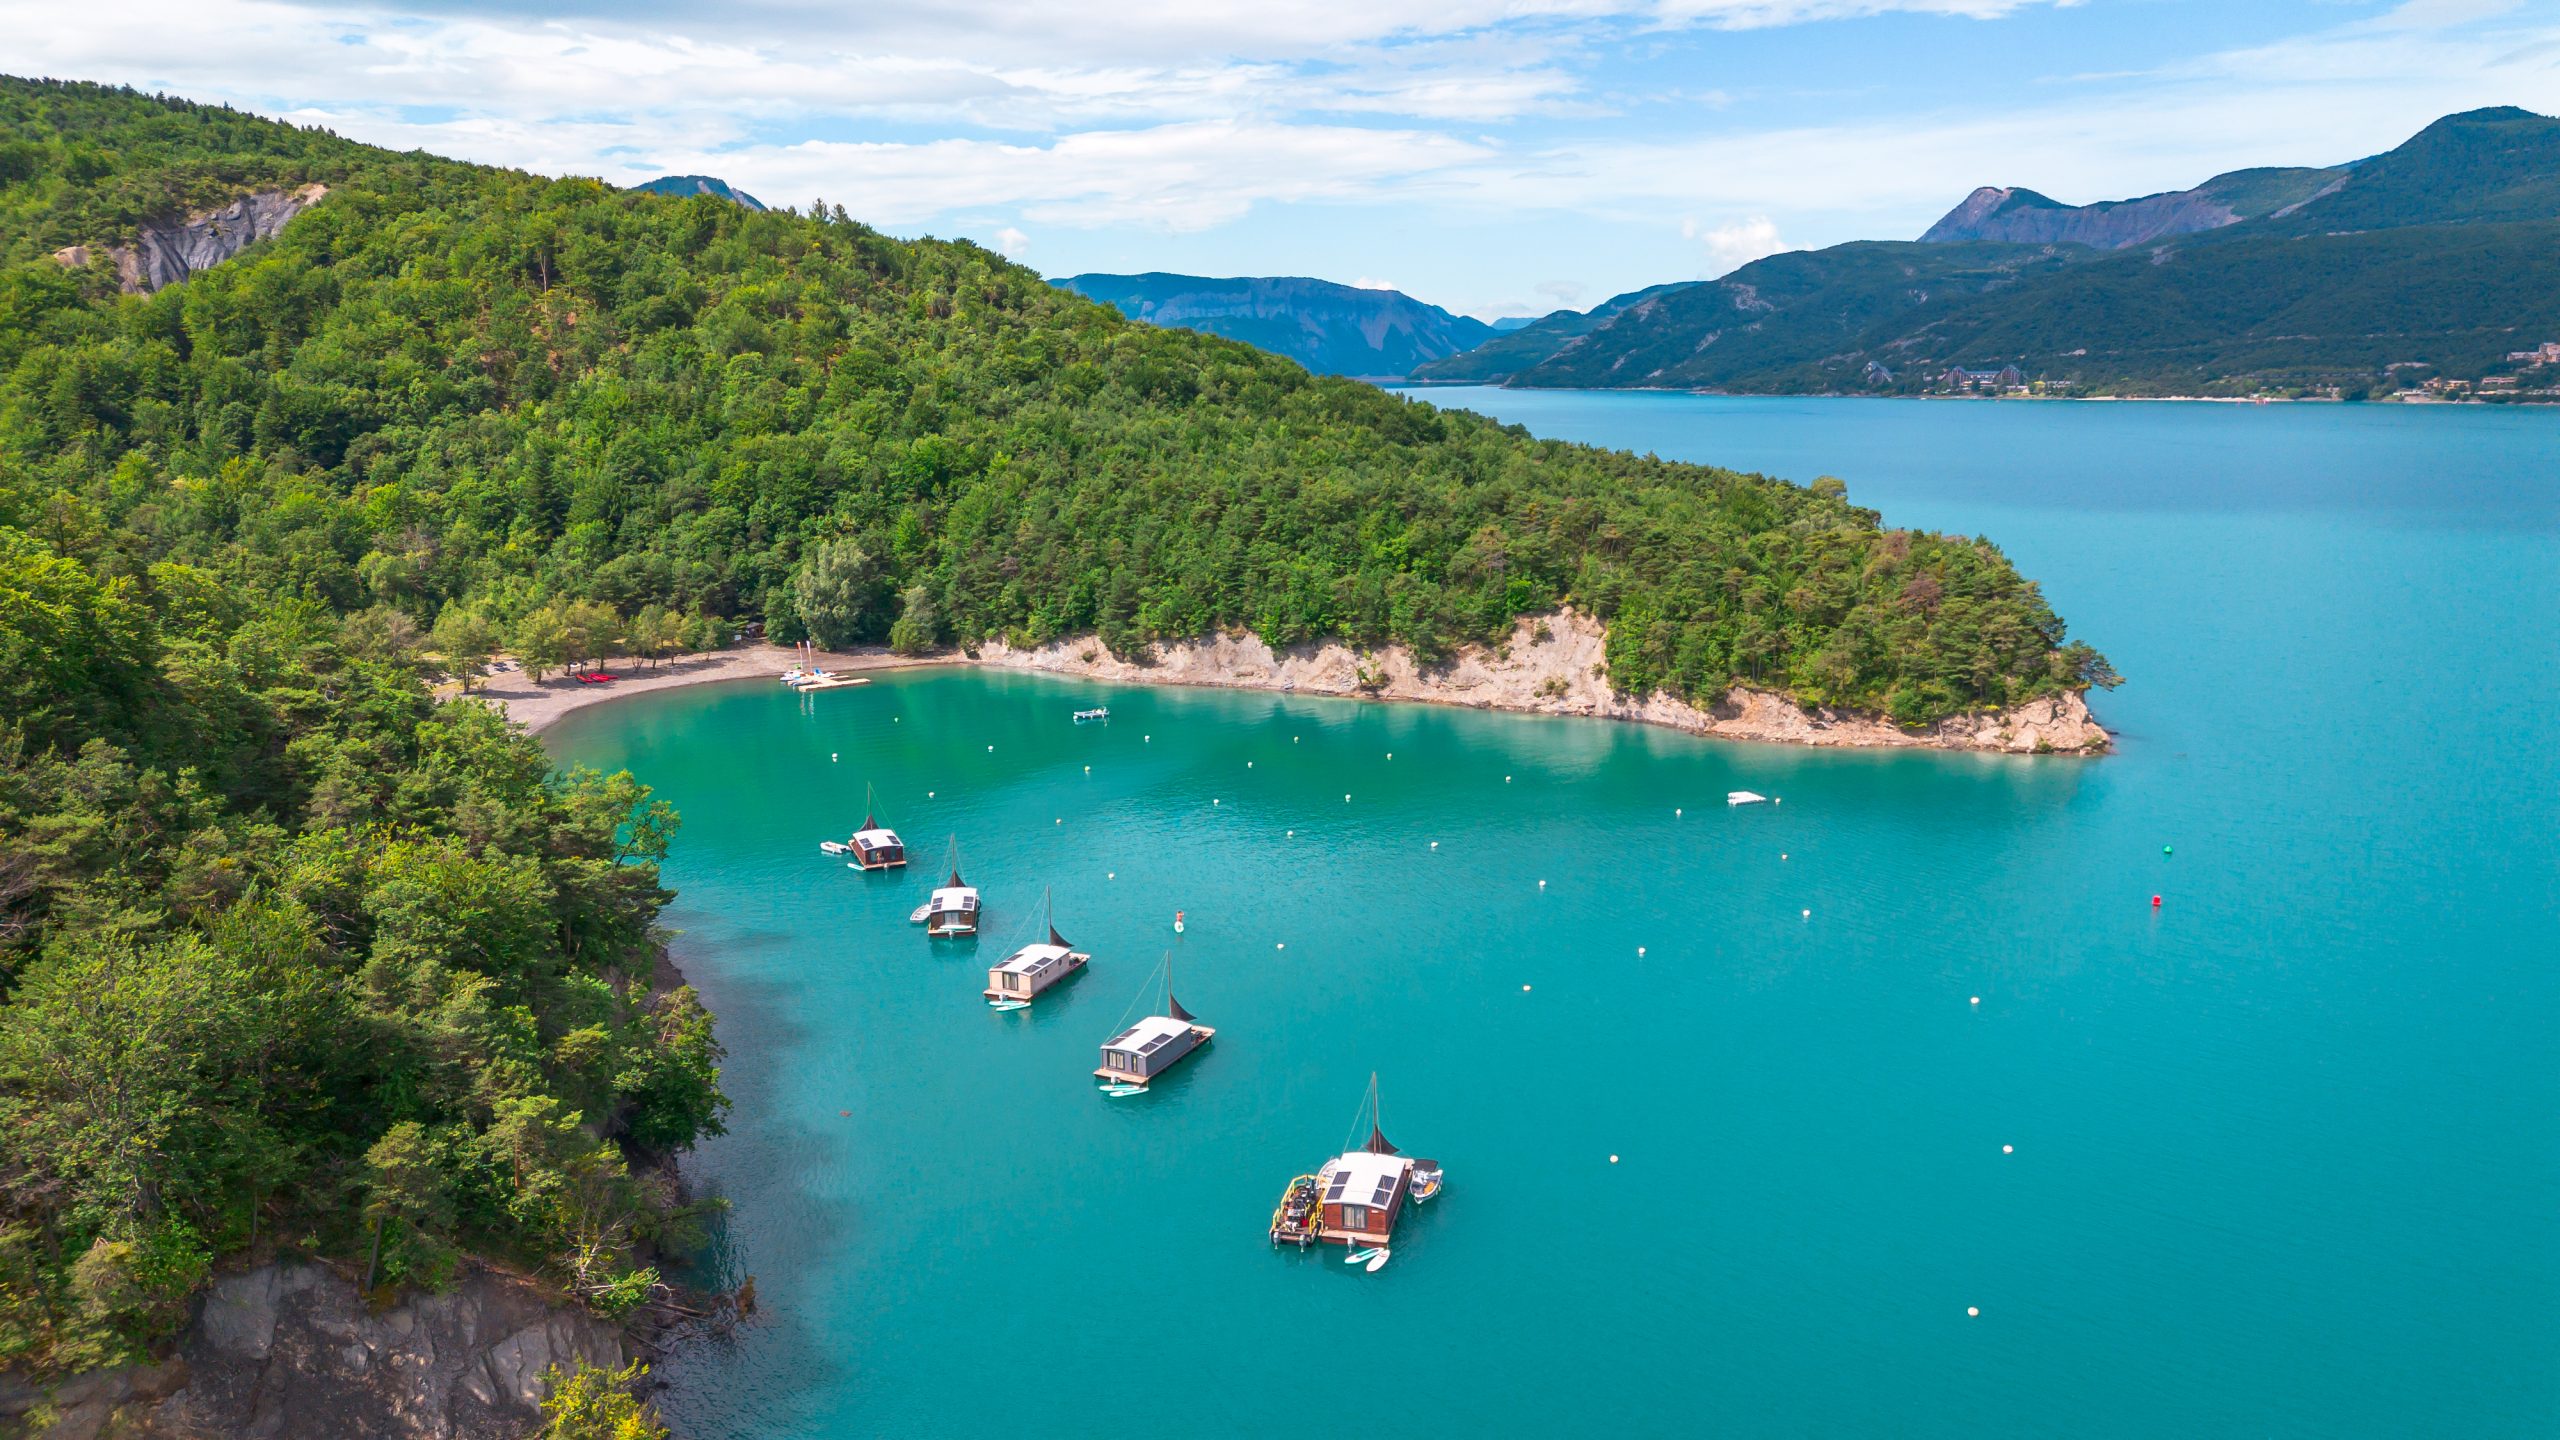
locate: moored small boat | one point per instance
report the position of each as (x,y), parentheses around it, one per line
(1744,797)
(1098,712)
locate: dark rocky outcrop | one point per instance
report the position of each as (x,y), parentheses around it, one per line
(165,252)
(291,1351)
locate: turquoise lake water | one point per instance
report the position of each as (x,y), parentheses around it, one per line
(2286,1149)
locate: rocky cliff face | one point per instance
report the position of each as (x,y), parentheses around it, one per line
(1555,666)
(168,251)
(290,1351)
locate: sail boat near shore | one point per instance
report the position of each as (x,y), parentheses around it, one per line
(1141,1052)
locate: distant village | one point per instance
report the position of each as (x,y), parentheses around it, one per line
(2534,377)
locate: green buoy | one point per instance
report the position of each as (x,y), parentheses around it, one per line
(2164,849)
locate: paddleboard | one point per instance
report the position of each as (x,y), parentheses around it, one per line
(1124,1089)
(1377,1262)
(1008,1004)
(1356,1256)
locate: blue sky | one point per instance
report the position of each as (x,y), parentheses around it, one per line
(1494,156)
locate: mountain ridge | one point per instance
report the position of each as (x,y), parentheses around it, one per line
(1329,327)
(2436,260)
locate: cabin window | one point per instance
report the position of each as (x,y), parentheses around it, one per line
(1355,1217)
(1119,1061)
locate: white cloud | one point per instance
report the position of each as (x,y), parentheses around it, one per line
(1372,282)
(1012,242)
(1178,177)
(1736,243)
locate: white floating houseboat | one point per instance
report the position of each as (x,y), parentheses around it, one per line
(875,846)
(1020,977)
(1744,797)
(953,909)
(1149,1048)
(1355,1199)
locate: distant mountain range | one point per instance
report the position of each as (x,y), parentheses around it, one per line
(1528,346)
(1331,329)
(699,185)
(2434,260)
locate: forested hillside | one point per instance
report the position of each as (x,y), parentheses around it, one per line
(291,954)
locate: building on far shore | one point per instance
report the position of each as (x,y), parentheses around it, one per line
(2007,377)
(2546,353)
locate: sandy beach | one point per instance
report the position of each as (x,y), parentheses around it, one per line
(538,706)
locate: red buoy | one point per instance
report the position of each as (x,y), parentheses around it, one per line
(2155,902)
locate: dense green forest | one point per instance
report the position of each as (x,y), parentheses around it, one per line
(294,954)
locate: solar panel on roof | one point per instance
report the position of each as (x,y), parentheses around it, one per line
(1386,1187)
(1338,1182)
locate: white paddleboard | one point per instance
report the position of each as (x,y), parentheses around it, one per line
(1008,1004)
(1377,1262)
(1124,1089)
(1356,1256)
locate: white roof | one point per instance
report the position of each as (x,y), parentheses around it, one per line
(1742,797)
(1364,1171)
(1034,957)
(1146,1032)
(878,835)
(954,897)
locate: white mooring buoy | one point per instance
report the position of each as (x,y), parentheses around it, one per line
(831,757)
(1639,952)
(1977,1000)
(2008,1149)
(1973,1310)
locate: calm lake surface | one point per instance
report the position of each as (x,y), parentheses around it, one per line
(2286,1149)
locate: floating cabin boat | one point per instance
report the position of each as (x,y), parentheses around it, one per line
(1149,1048)
(1035,967)
(1099,712)
(952,912)
(873,847)
(1744,797)
(1358,1195)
